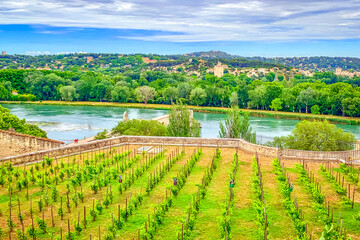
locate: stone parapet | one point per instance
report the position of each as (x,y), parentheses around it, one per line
(341,156)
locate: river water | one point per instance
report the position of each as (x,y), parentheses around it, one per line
(66,123)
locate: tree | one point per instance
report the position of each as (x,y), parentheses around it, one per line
(198,96)
(45,86)
(170,93)
(234,99)
(184,90)
(315,109)
(243,94)
(145,93)
(67,93)
(4,93)
(307,97)
(270,76)
(120,94)
(289,99)
(316,136)
(237,125)
(101,91)
(213,96)
(276,104)
(181,124)
(258,97)
(351,106)
(140,128)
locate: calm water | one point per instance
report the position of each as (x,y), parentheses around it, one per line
(66,123)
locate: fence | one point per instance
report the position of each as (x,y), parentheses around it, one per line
(342,156)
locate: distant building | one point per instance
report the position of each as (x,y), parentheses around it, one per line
(147,60)
(347,73)
(219,69)
(3,53)
(89,59)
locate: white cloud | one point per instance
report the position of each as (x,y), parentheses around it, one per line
(34,53)
(202,20)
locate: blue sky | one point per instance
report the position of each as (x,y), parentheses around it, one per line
(247,28)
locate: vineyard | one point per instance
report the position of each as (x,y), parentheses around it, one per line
(122,193)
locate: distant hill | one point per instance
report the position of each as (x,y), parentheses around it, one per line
(315,63)
(120,62)
(211,54)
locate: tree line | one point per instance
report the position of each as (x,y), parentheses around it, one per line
(324,93)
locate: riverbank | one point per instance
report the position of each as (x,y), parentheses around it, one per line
(252,112)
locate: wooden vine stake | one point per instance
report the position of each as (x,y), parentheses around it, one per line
(182,231)
(225,230)
(265,230)
(52,216)
(353,201)
(69,228)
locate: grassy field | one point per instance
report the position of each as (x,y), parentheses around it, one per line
(252,112)
(151,207)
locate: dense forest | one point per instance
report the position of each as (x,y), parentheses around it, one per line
(325,93)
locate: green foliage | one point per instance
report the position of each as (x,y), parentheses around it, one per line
(20,235)
(8,121)
(276,104)
(101,135)
(316,136)
(258,201)
(330,233)
(31,231)
(315,109)
(237,126)
(99,207)
(10,223)
(193,208)
(61,212)
(120,94)
(292,211)
(42,224)
(227,206)
(77,226)
(197,96)
(40,204)
(140,127)
(338,188)
(304,177)
(181,124)
(145,93)
(68,93)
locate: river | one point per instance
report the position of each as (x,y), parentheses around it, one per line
(66,123)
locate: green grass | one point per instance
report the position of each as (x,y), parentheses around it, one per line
(171,225)
(280,225)
(211,205)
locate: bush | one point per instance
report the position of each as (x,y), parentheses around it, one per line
(137,127)
(316,136)
(101,135)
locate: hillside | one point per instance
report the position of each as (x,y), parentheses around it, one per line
(315,63)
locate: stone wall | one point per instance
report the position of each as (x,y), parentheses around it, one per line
(341,156)
(26,143)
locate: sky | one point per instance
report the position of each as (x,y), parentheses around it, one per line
(266,28)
